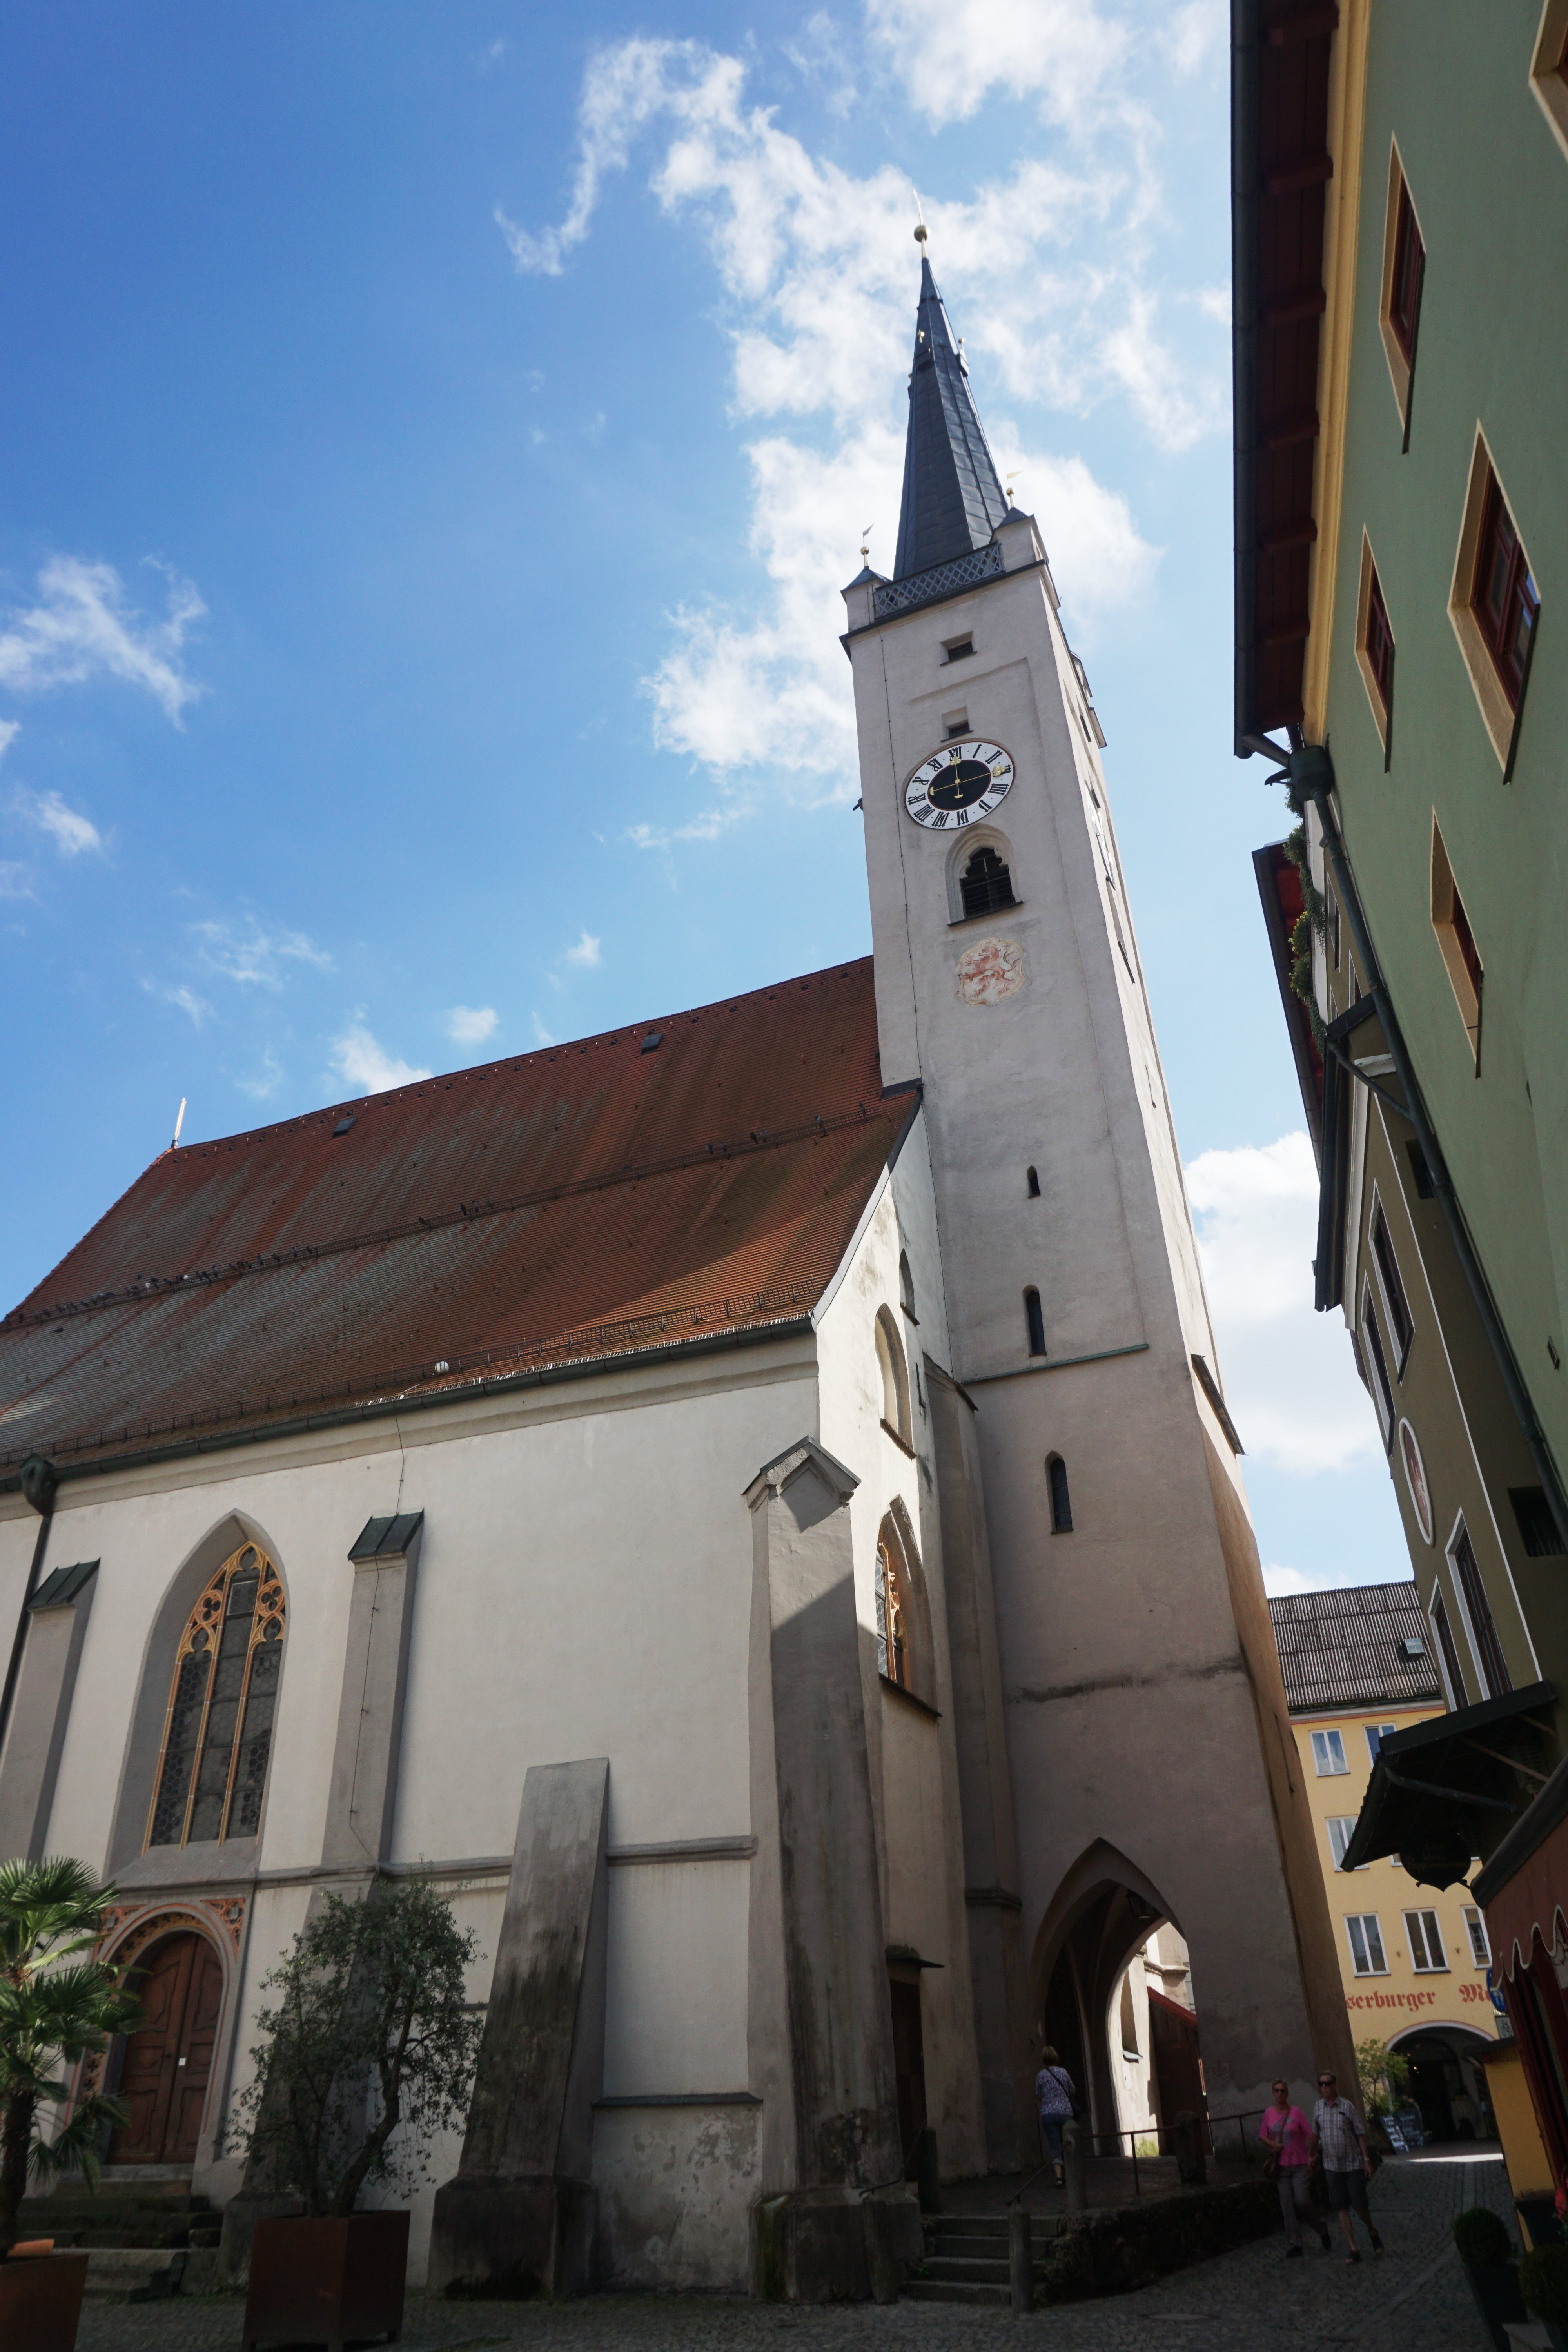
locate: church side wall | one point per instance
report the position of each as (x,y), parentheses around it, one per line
(584,1588)
(914,1775)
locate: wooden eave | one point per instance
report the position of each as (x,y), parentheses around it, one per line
(1281,170)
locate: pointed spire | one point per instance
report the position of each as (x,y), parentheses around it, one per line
(953,499)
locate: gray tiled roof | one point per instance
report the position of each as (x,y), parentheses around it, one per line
(953,499)
(1342,1648)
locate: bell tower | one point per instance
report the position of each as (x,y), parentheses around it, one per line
(1150,1760)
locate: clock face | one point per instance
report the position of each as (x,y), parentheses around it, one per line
(965,780)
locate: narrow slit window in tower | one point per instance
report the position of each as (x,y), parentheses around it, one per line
(1031,1185)
(1036,1322)
(1061,1500)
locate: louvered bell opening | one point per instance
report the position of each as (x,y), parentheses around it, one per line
(987,884)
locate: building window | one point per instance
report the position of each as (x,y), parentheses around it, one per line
(958,648)
(1427,1954)
(1476,1929)
(1061,1500)
(1409,268)
(1549,68)
(1399,1322)
(904,1623)
(1374,647)
(1031,1185)
(1375,1736)
(1493,605)
(1331,919)
(895,1378)
(1404,275)
(217,1734)
(1036,1321)
(1340,1830)
(1484,1642)
(1447,1654)
(1381,1386)
(892,1617)
(1538,1528)
(907,1287)
(1457,942)
(1327,1754)
(987,884)
(1366,1944)
(1504,597)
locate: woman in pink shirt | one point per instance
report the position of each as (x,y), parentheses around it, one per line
(1287,2135)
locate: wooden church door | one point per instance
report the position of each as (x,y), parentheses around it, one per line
(164,2080)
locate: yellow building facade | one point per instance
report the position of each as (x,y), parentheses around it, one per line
(1357,1665)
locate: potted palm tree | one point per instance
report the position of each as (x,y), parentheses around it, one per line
(367,2053)
(57,2006)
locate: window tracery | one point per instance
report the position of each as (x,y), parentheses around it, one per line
(217,1734)
(893,1614)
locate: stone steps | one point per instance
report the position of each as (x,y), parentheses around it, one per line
(152,2215)
(967,2259)
(116,2273)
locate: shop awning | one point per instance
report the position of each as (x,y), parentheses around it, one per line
(1454,1787)
(1524,1886)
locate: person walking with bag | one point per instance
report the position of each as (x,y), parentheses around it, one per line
(1287,2135)
(1056,2097)
(1339,2144)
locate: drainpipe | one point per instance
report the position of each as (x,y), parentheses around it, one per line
(1308,771)
(39,1481)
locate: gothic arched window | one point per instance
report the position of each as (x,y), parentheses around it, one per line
(988,883)
(892,1613)
(217,1735)
(895,1378)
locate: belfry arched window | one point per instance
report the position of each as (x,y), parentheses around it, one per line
(988,883)
(217,1734)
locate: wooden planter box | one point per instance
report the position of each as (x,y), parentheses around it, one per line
(331,2283)
(40,2301)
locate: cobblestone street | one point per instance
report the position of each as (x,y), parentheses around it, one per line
(1236,2303)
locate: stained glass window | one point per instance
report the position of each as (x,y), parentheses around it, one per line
(218,1733)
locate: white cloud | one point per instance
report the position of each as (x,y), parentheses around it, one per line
(362,1063)
(950,54)
(1045,265)
(470,1024)
(541,1035)
(1291,1380)
(821,56)
(240,950)
(1278,1582)
(80,628)
(585,952)
(16,880)
(265,1082)
(9,730)
(195,1007)
(69,830)
(1192,31)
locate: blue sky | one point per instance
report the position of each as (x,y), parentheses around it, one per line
(437,437)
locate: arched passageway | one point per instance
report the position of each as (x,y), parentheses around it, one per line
(1448,2081)
(1131,2047)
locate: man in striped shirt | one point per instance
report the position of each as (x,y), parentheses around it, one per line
(1339,2143)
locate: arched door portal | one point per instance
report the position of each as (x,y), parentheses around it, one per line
(164,2071)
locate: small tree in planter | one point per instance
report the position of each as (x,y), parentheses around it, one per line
(366,2055)
(1486,2250)
(56,2007)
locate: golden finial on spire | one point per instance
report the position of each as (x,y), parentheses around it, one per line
(921,231)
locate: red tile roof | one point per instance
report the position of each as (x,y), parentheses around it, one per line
(587,1199)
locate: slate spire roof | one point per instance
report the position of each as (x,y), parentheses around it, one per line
(952,498)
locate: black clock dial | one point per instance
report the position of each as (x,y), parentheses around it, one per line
(960,785)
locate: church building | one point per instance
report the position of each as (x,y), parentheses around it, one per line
(747,1503)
